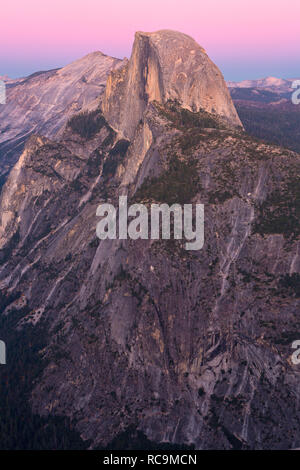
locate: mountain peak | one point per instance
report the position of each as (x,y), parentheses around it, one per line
(169,35)
(165,65)
(44,101)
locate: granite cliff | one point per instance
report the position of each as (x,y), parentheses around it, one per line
(44,101)
(165,65)
(141,341)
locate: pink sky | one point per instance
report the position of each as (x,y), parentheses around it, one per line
(246,38)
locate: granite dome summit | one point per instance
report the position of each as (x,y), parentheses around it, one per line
(165,65)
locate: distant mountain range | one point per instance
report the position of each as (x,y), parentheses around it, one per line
(274,84)
(265,107)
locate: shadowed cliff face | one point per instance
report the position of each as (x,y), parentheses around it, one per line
(165,65)
(186,347)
